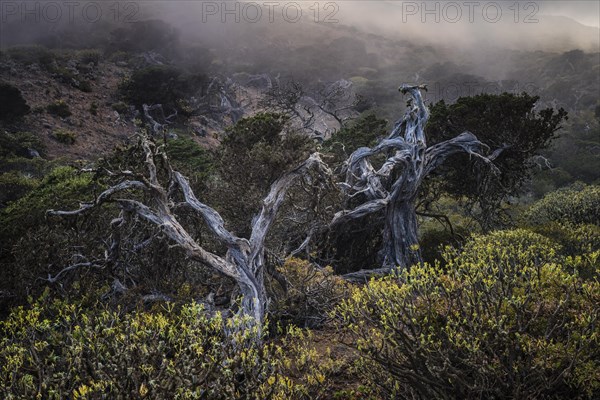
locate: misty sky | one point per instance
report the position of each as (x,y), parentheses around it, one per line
(385,17)
(585,12)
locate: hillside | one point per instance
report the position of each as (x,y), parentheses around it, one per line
(352,204)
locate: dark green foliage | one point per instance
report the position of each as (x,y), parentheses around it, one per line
(432,242)
(63,74)
(84,86)
(505,120)
(14,185)
(59,108)
(89,56)
(573,156)
(190,158)
(253,155)
(356,244)
(152,85)
(120,107)
(33,54)
(17,144)
(62,187)
(260,139)
(13,104)
(65,136)
(28,249)
(94,108)
(19,172)
(159,85)
(361,132)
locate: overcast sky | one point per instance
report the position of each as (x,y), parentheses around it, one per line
(585,12)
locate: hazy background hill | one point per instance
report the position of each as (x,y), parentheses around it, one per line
(548,51)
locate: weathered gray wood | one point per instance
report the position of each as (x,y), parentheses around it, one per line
(244,258)
(393,189)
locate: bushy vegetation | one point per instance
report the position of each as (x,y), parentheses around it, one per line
(63,350)
(65,136)
(14,105)
(486,325)
(572,158)
(508,122)
(309,294)
(359,133)
(577,204)
(120,107)
(59,108)
(508,314)
(32,54)
(20,170)
(20,229)
(88,56)
(190,157)
(18,144)
(57,349)
(254,153)
(159,85)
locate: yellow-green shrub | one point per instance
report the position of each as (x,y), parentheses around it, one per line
(55,349)
(64,350)
(580,245)
(502,319)
(577,204)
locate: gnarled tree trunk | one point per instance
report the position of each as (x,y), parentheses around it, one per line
(393,188)
(400,235)
(244,258)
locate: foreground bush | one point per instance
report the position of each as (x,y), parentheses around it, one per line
(502,320)
(61,350)
(65,351)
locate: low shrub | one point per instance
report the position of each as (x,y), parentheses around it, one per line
(67,351)
(59,108)
(85,86)
(89,56)
(18,144)
(13,104)
(576,204)
(62,187)
(310,295)
(160,84)
(14,185)
(503,319)
(55,349)
(120,107)
(65,136)
(189,157)
(33,54)
(93,108)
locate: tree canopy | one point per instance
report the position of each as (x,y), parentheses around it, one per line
(506,121)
